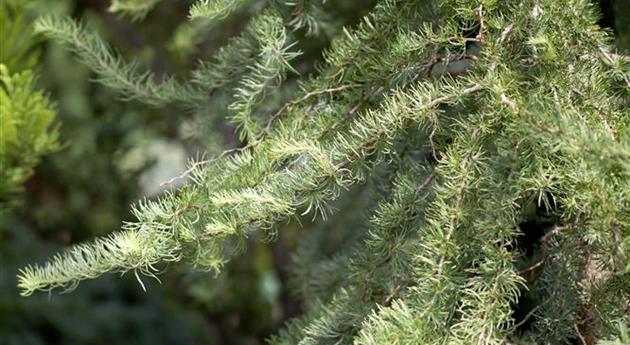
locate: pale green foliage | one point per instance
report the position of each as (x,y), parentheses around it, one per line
(113,71)
(306,14)
(267,72)
(18,49)
(214,9)
(136,9)
(465,116)
(26,114)
(130,249)
(230,62)
(205,15)
(26,127)
(624,336)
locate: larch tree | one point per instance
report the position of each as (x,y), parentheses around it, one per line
(488,143)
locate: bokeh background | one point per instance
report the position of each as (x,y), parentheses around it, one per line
(114,153)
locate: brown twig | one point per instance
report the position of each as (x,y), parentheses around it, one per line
(507,101)
(533,267)
(556,230)
(526,318)
(579,334)
(482,25)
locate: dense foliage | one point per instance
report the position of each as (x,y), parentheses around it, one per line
(461,167)
(26,114)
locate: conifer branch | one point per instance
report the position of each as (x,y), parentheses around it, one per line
(230,61)
(112,70)
(306,14)
(122,251)
(26,131)
(306,185)
(465,119)
(267,72)
(136,9)
(214,9)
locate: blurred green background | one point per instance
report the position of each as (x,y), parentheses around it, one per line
(114,153)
